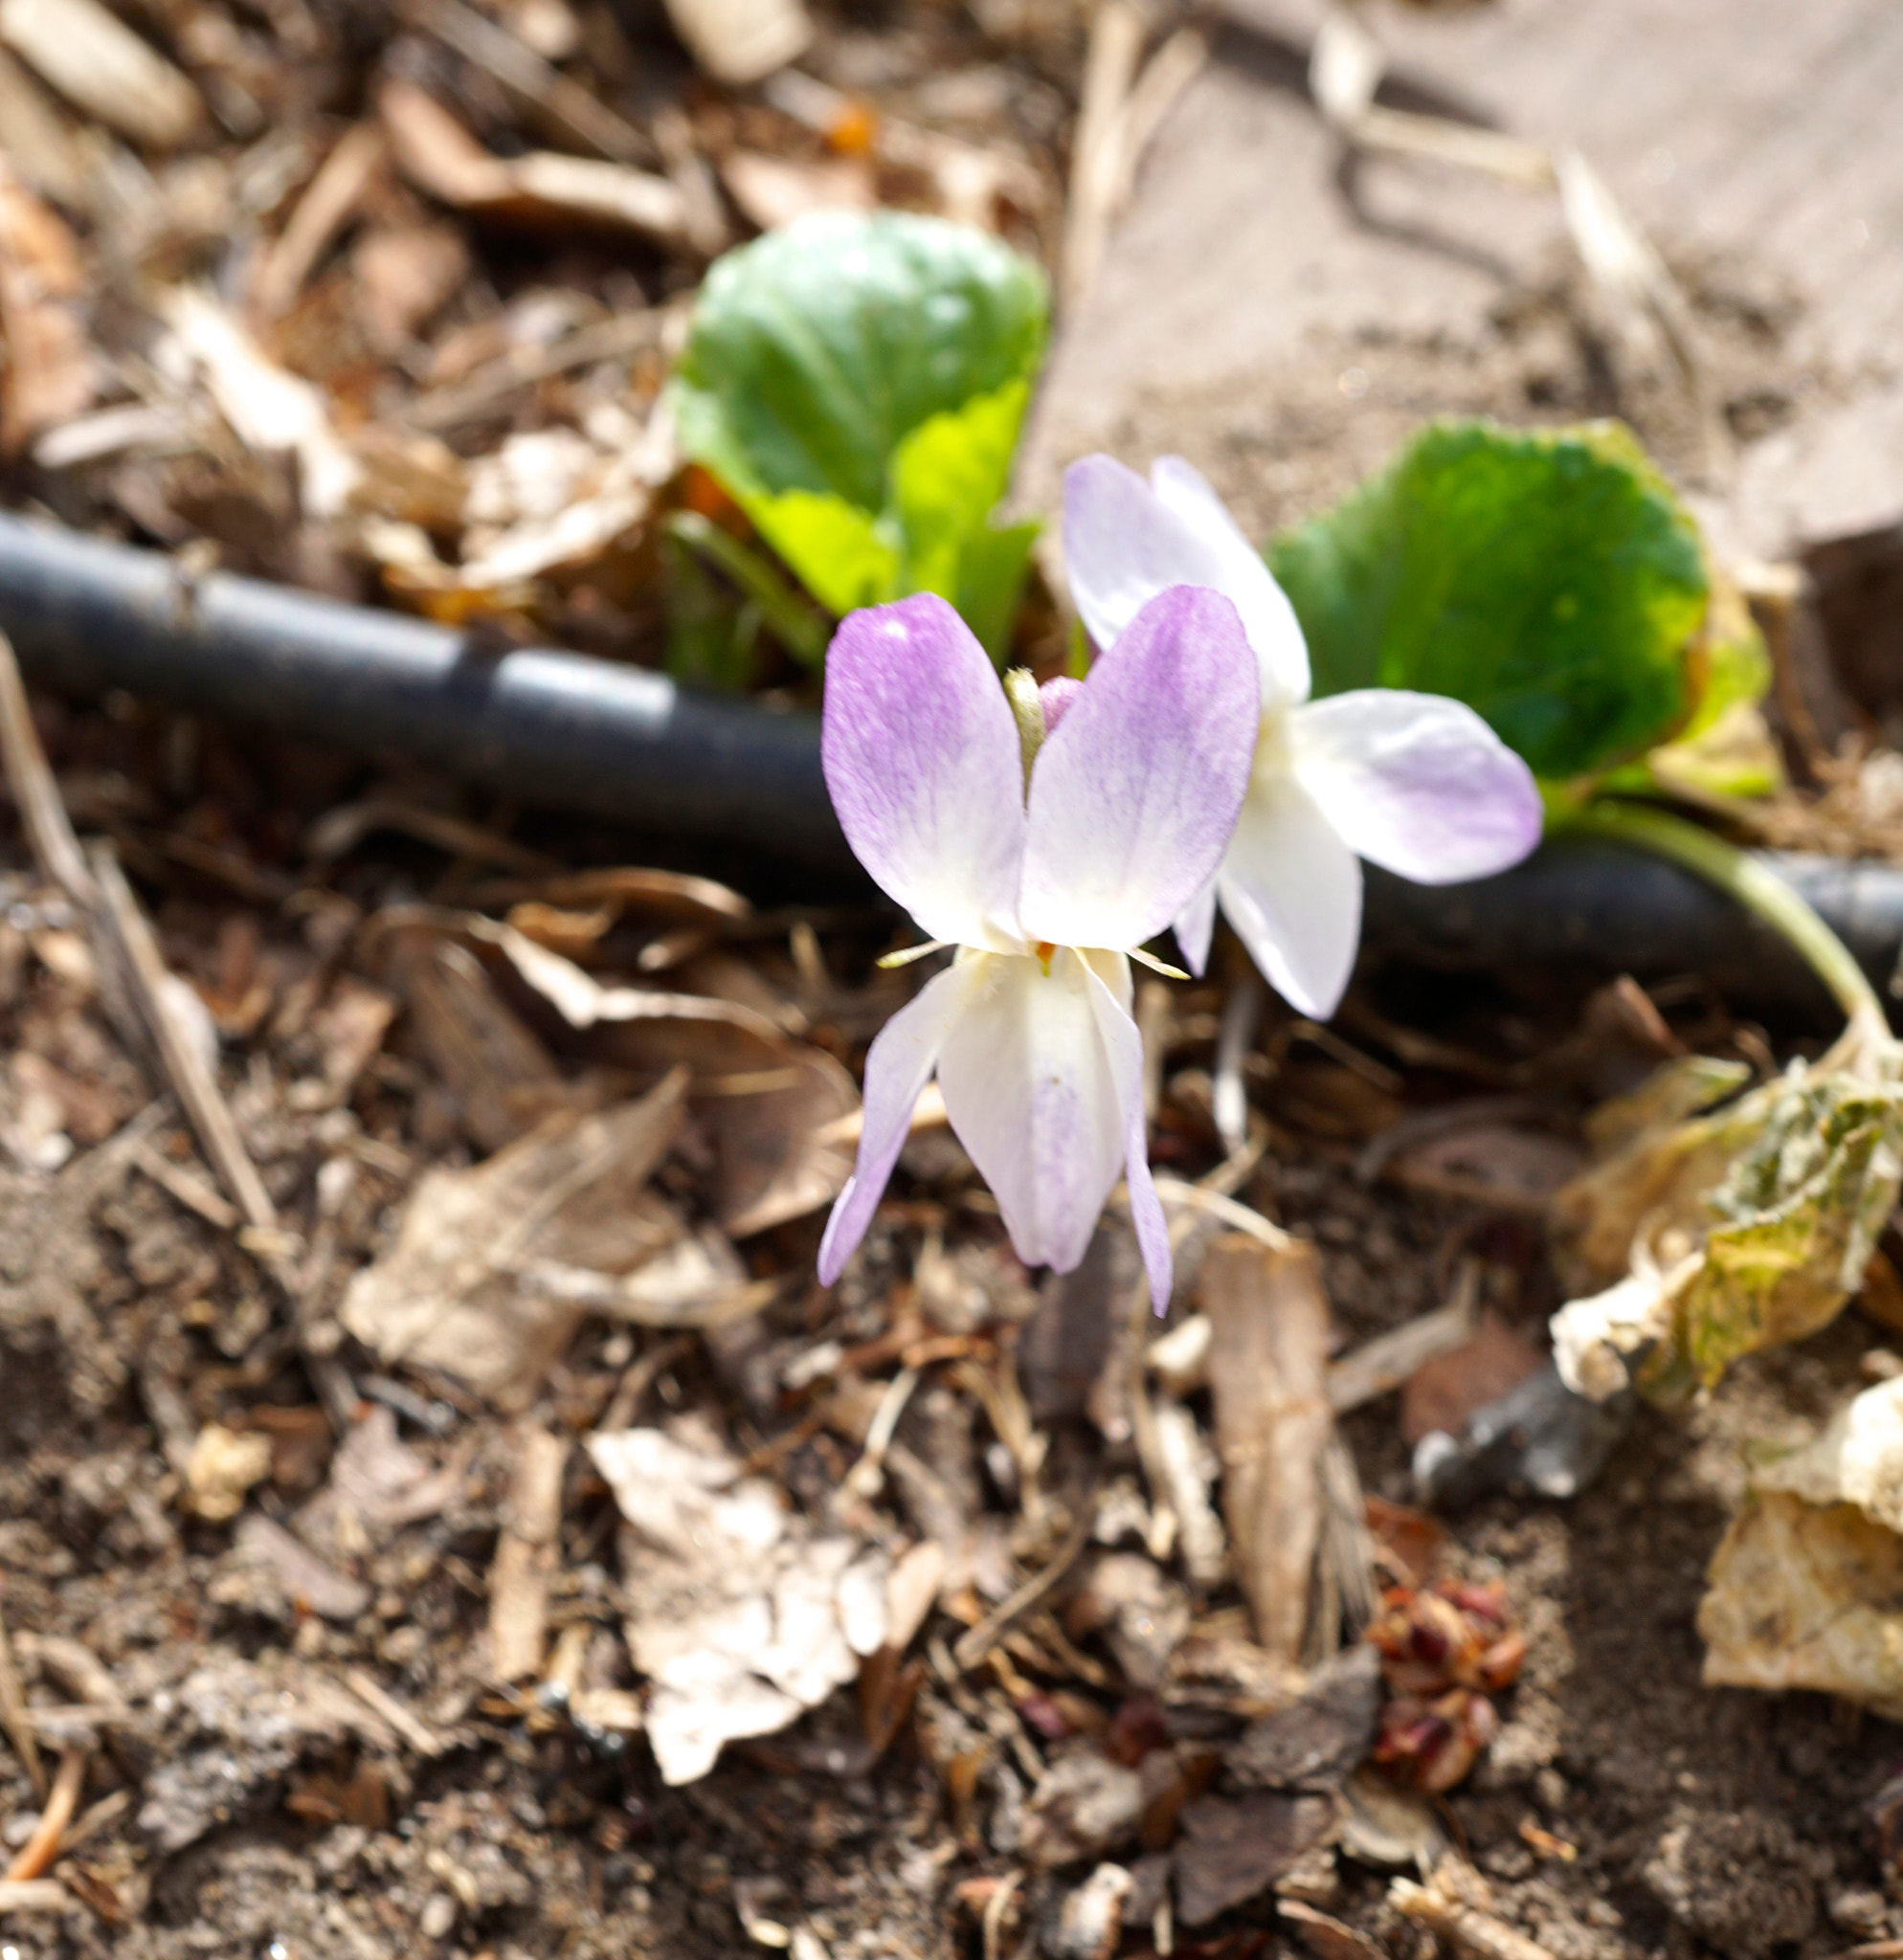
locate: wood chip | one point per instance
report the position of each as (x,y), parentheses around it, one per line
(440,156)
(526,1553)
(99,65)
(742,41)
(1268,1377)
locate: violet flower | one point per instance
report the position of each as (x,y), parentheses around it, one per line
(1416,783)
(1045,863)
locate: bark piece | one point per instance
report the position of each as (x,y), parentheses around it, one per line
(1268,1378)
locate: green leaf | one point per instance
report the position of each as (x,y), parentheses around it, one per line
(991,581)
(1547,577)
(844,557)
(858,383)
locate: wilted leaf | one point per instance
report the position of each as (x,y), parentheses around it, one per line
(1547,577)
(856,382)
(1804,1589)
(1735,1231)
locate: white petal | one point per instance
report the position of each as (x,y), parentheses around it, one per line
(1292,890)
(1417,783)
(1123,1046)
(1196,927)
(1267,617)
(898,1066)
(1035,1098)
(1125,541)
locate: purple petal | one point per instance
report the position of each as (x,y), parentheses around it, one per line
(1292,890)
(1055,697)
(1134,797)
(923,761)
(1123,1046)
(898,1066)
(1416,783)
(1037,1100)
(1195,927)
(1125,541)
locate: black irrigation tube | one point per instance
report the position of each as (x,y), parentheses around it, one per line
(582,734)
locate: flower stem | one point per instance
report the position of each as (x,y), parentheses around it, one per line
(1752,882)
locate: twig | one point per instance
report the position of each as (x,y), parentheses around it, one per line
(521,71)
(1473,1932)
(197,1090)
(191,1191)
(420,1737)
(1387,1361)
(321,213)
(978,1642)
(1226,1211)
(34,1895)
(1117,30)
(40,1850)
(15,1718)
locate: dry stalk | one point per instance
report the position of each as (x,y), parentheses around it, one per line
(37,1852)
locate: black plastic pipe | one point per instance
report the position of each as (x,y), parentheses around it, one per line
(548,727)
(582,734)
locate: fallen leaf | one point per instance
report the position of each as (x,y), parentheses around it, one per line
(1234,1847)
(741,1616)
(1802,1590)
(774,191)
(742,41)
(1739,1230)
(503,1078)
(1316,1742)
(766,1099)
(449,1293)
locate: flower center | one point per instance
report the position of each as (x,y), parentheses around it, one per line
(1043,952)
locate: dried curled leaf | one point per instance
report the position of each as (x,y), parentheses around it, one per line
(1735,1231)
(1803,1590)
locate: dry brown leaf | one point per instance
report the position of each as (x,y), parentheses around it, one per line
(39,140)
(1803,1590)
(1268,1377)
(448,1294)
(1491,1164)
(504,1082)
(766,1099)
(99,65)
(440,156)
(740,1616)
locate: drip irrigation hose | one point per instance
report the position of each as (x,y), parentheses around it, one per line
(694,770)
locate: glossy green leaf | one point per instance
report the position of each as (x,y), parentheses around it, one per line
(1547,577)
(858,383)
